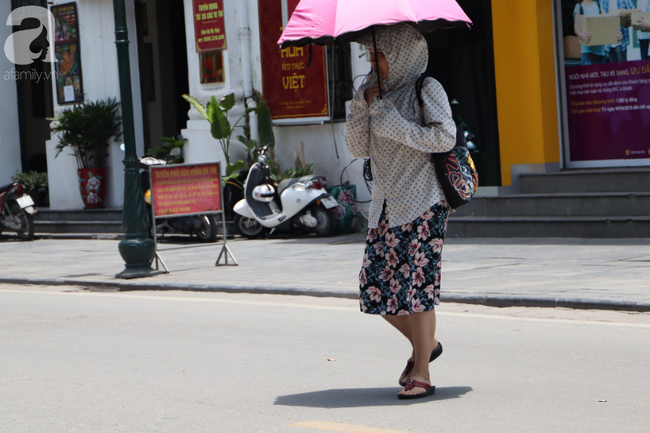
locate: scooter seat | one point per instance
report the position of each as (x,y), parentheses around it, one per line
(5,188)
(286,183)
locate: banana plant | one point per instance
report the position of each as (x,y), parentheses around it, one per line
(217,114)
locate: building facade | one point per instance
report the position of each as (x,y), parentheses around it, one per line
(515,74)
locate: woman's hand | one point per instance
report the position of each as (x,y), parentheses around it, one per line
(373,91)
(586,37)
(619,38)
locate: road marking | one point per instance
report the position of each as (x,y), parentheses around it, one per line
(132,295)
(342,428)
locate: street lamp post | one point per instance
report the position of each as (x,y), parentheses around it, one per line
(137,249)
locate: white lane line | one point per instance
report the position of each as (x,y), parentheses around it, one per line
(353,308)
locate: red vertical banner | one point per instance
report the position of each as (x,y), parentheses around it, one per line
(209,25)
(291,89)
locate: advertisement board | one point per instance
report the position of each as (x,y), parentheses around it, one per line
(605,88)
(187,189)
(69,79)
(294,92)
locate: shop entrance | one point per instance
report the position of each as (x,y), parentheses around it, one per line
(163,68)
(463,61)
(35,100)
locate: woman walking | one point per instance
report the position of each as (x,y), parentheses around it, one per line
(400,275)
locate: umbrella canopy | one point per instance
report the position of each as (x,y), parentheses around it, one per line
(325,22)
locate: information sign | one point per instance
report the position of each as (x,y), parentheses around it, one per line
(186,189)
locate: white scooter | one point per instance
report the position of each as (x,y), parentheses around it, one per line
(300,204)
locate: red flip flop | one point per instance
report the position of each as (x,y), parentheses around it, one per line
(428,390)
(409,364)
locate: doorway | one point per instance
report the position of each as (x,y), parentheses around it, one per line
(462,60)
(35,100)
(163,68)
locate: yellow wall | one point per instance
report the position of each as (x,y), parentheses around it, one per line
(524,58)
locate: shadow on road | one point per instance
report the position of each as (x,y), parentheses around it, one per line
(363,397)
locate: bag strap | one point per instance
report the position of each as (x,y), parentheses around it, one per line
(419,84)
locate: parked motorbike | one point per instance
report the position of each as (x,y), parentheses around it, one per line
(204,227)
(18,210)
(302,204)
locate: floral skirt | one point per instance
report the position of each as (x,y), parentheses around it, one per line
(400,274)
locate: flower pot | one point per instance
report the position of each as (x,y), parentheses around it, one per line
(91,186)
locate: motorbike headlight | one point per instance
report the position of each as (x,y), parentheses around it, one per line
(147,197)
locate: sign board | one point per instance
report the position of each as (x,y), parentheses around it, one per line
(186,189)
(605,100)
(69,82)
(182,190)
(209,25)
(293,92)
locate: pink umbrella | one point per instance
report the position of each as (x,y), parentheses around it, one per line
(339,21)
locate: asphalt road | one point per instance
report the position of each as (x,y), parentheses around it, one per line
(78,361)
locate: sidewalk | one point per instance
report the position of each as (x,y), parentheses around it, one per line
(574,273)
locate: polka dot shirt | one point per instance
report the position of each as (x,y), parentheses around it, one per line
(396,134)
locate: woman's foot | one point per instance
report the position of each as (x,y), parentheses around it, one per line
(405,377)
(416,389)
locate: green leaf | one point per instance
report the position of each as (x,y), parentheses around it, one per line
(265,125)
(236,166)
(251,145)
(199,107)
(242,139)
(227,102)
(220,126)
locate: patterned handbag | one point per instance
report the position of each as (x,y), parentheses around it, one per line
(455,169)
(457,175)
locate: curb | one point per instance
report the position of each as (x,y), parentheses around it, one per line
(500,301)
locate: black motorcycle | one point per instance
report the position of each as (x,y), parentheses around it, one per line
(18,210)
(204,227)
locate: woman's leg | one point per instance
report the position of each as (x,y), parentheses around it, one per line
(423,329)
(402,324)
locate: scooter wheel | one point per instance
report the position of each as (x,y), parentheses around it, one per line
(326,221)
(26,231)
(249,228)
(208,228)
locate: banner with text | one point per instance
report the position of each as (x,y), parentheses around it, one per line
(607,76)
(609,111)
(186,189)
(291,89)
(209,25)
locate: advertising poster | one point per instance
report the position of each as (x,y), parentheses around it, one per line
(607,81)
(69,82)
(209,25)
(186,189)
(291,89)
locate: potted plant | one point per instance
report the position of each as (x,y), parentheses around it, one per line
(86,130)
(36,184)
(171,150)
